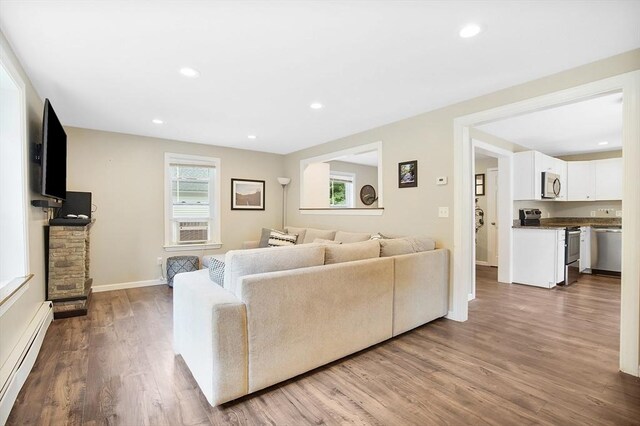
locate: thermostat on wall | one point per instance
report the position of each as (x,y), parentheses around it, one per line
(442,180)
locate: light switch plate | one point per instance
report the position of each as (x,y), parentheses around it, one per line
(618,213)
(441,180)
(443,211)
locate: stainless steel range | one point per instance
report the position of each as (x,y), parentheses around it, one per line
(571,255)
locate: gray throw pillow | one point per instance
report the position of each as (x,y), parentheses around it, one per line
(216,271)
(264,237)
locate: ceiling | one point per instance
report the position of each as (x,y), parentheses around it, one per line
(113,65)
(569,129)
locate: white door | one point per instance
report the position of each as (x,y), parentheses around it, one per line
(492,217)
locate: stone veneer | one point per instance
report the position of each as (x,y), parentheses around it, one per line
(68,284)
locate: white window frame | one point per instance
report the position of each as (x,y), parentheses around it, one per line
(350,193)
(9,288)
(214,196)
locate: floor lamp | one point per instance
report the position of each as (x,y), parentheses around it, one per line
(284,181)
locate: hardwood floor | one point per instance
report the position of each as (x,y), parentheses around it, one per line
(526,356)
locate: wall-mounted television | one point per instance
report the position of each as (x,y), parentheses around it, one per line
(54,155)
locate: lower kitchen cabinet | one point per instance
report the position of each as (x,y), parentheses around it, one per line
(538,256)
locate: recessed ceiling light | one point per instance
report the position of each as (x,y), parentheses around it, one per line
(603,143)
(316,105)
(189,72)
(470,30)
(252,136)
(157,121)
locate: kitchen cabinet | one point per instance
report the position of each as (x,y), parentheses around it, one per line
(538,256)
(594,180)
(608,179)
(585,249)
(581,182)
(528,167)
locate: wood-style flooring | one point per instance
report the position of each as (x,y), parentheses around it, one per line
(526,356)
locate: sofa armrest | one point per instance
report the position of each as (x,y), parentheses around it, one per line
(251,244)
(210,332)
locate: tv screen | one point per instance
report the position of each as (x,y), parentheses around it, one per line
(54,155)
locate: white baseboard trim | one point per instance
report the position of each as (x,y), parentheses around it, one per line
(482,263)
(29,346)
(122,286)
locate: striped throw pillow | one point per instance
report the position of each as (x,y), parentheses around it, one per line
(279,239)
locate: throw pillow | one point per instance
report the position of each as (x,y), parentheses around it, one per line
(264,237)
(216,271)
(395,247)
(299,231)
(312,234)
(322,241)
(350,252)
(279,239)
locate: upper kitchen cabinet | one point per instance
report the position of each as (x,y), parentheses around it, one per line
(528,167)
(581,183)
(608,181)
(595,180)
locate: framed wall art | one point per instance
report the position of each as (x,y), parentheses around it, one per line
(247,194)
(408,174)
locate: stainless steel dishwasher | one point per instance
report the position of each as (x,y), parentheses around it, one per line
(606,251)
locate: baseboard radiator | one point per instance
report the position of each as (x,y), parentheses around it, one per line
(22,359)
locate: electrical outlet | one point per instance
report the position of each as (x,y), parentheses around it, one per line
(159,261)
(593,213)
(443,211)
(618,213)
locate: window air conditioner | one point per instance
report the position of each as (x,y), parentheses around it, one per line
(193,232)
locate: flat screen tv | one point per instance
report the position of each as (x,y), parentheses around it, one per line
(54,155)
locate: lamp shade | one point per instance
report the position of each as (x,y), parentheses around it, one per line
(284,181)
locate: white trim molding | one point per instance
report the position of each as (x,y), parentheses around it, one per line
(629,85)
(124,286)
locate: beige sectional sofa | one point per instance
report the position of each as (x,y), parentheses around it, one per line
(284,311)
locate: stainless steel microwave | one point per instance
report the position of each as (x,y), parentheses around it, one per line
(551,185)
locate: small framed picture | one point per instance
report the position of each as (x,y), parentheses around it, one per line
(247,194)
(480,184)
(408,174)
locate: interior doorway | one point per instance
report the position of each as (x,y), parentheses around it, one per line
(463,260)
(492,166)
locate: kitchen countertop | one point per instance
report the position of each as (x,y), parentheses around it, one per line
(563,222)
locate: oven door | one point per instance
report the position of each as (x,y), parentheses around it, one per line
(550,185)
(572,246)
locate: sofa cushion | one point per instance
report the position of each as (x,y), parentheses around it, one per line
(298,231)
(279,239)
(321,241)
(312,234)
(351,237)
(350,252)
(239,263)
(405,245)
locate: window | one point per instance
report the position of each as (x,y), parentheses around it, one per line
(192,198)
(341,189)
(13,189)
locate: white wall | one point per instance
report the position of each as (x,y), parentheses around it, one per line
(125,175)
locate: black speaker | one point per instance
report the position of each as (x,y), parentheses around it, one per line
(76,203)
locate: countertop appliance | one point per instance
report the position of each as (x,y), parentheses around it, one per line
(571,255)
(530,217)
(550,185)
(606,251)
